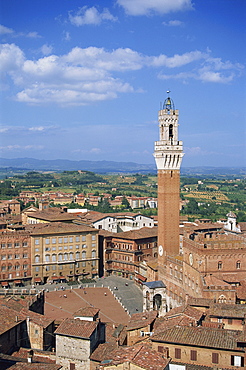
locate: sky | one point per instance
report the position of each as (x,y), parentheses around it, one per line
(84,80)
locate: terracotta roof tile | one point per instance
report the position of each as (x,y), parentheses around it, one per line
(200,336)
(58,227)
(144,232)
(185,310)
(76,328)
(140,320)
(227,310)
(87,311)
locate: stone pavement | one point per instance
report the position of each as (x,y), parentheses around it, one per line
(129,294)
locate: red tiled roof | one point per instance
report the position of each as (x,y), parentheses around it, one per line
(87,311)
(58,227)
(141,356)
(140,320)
(76,328)
(200,337)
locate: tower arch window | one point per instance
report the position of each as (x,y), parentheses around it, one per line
(238,264)
(219,265)
(170,132)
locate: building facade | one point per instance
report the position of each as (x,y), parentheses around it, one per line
(62,251)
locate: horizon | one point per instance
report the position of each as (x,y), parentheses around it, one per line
(85,81)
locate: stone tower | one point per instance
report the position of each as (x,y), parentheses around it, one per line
(168,156)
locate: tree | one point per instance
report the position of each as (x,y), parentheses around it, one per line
(125,203)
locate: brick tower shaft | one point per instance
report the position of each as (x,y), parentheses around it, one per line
(168,156)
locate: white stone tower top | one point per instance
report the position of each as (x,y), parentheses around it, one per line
(168,150)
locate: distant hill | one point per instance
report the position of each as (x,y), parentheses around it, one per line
(27,164)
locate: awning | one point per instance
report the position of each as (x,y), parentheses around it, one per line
(37,280)
(4,283)
(17,281)
(140,277)
(55,278)
(62,278)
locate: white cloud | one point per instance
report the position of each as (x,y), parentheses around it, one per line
(178,60)
(5,30)
(210,70)
(146,7)
(66,36)
(87,75)
(174,23)
(21,147)
(90,16)
(46,49)
(32,35)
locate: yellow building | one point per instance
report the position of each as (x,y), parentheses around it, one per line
(63,251)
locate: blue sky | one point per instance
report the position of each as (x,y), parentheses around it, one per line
(85,79)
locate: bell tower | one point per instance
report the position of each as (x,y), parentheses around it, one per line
(168,157)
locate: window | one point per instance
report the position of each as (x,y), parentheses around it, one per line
(47,241)
(72,366)
(25,255)
(237,361)
(193,355)
(93,254)
(65,256)
(25,266)
(47,258)
(84,245)
(24,244)
(83,264)
(65,240)
(77,255)
(93,263)
(53,258)
(3,245)
(9,245)
(17,245)
(37,258)
(219,265)
(83,238)
(9,256)
(17,267)
(70,239)
(71,256)
(36,241)
(4,257)
(17,256)
(177,353)
(83,255)
(53,240)
(60,240)
(77,246)
(238,265)
(160,349)
(93,237)
(60,257)
(215,358)
(37,268)
(77,238)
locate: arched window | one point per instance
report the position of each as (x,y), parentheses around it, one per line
(71,256)
(238,264)
(171,132)
(65,256)
(47,258)
(9,266)
(219,265)
(93,254)
(59,257)
(77,255)
(53,257)
(83,255)
(37,259)
(17,266)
